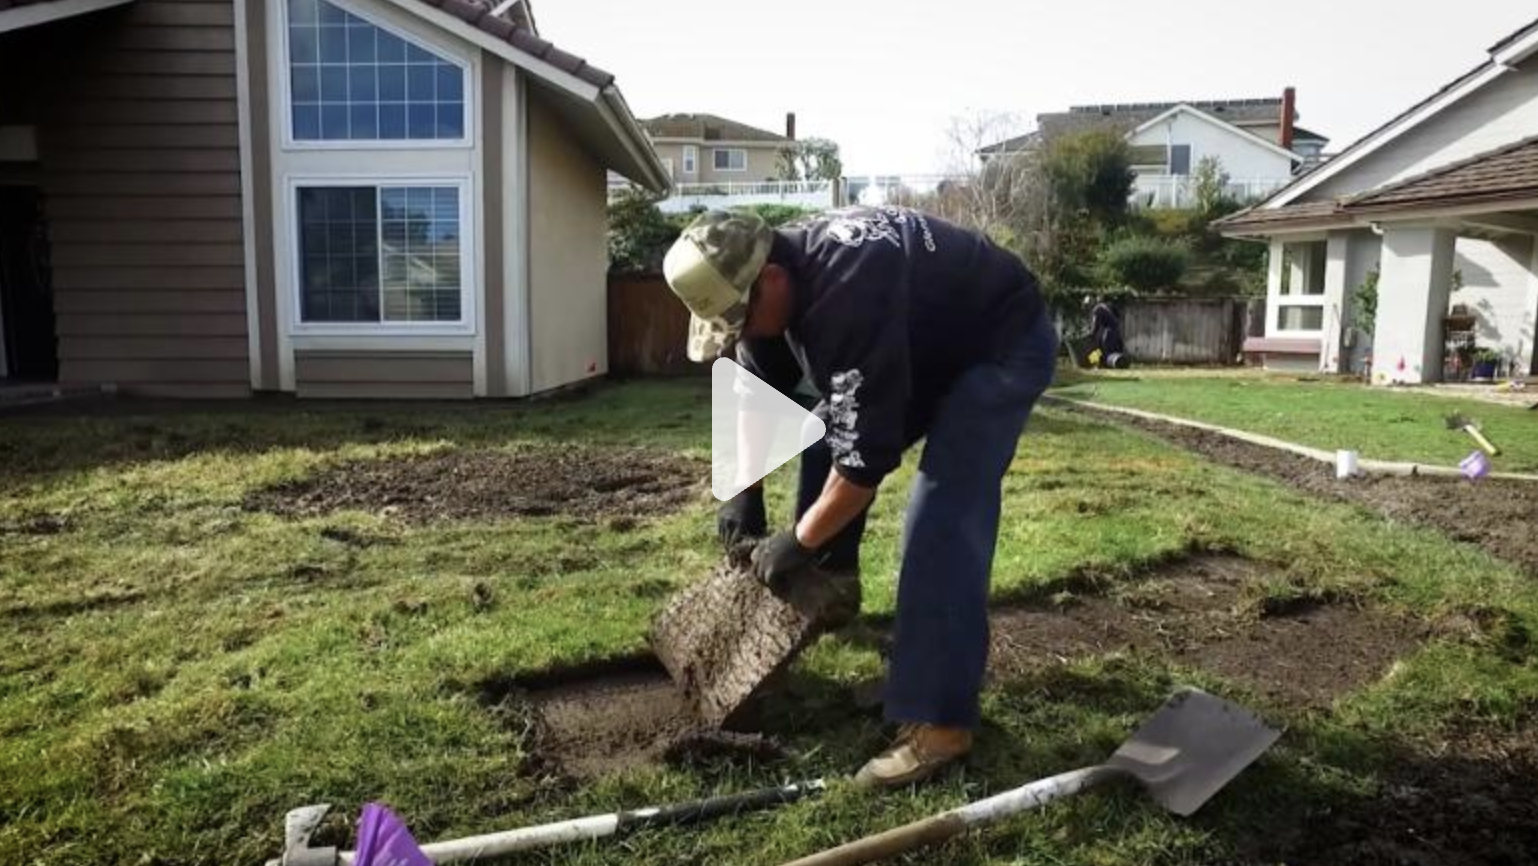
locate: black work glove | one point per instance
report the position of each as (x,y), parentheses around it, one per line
(775,558)
(742,518)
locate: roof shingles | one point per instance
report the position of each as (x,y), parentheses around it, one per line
(1509,173)
(707,127)
(479,13)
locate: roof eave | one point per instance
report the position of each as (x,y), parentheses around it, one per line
(33,14)
(607,104)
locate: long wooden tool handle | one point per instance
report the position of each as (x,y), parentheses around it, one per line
(1483,442)
(946,825)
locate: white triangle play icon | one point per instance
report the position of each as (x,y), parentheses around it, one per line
(754,429)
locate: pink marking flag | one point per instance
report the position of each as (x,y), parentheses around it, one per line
(383,840)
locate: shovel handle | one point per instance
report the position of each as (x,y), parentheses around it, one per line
(1483,442)
(946,825)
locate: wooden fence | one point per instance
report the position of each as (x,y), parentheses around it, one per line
(647,328)
(1186,330)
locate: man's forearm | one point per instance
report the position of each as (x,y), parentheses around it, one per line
(841,502)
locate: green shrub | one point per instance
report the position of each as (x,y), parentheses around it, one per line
(639,233)
(777,215)
(1144,263)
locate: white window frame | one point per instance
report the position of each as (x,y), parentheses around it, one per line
(691,159)
(729,150)
(468,279)
(1302,302)
(443,52)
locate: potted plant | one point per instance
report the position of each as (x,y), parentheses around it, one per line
(1485,361)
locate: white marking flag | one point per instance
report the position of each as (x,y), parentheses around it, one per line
(754,429)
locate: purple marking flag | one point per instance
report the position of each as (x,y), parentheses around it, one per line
(383,840)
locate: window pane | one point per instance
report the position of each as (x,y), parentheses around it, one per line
(338,254)
(1180,159)
(421,275)
(1300,318)
(344,72)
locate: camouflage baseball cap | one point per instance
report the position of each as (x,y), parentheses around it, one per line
(711,268)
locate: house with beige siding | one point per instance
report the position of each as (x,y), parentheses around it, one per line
(328,198)
(706,149)
(1438,208)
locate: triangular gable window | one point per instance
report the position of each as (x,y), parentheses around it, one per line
(352,80)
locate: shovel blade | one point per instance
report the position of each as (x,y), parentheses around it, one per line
(1194,745)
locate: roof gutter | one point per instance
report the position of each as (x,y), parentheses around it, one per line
(616,112)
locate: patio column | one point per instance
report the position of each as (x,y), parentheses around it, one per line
(1275,265)
(1413,293)
(1337,302)
(1528,360)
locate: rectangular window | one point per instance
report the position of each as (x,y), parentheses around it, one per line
(380,254)
(1180,159)
(731,159)
(691,159)
(351,80)
(667,163)
(1300,318)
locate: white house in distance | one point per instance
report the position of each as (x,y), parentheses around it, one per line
(1257,141)
(1442,203)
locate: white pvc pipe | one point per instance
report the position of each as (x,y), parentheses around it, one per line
(1374,467)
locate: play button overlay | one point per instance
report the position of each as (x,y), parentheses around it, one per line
(754,429)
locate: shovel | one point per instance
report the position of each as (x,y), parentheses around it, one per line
(1467,425)
(1185,753)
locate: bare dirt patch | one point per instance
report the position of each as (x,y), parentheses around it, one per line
(1467,803)
(595,720)
(1494,514)
(1208,613)
(589,483)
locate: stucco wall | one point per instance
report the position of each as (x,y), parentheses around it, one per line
(568,254)
(1495,288)
(1243,159)
(1505,111)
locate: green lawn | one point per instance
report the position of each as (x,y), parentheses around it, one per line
(1379,423)
(176,671)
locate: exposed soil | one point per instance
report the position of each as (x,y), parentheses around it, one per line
(600,720)
(1496,515)
(587,483)
(1471,803)
(1207,613)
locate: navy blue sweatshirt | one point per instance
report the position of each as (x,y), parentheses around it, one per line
(892,306)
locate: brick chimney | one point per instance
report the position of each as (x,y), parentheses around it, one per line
(1289,115)
(790,125)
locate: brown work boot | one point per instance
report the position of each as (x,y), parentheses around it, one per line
(918,753)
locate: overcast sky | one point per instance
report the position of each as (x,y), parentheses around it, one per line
(884,77)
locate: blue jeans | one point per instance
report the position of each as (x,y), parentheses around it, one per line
(940,651)
(950,531)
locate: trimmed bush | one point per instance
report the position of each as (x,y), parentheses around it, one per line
(1143,263)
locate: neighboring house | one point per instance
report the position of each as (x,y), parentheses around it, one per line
(334,198)
(706,149)
(1256,140)
(1442,203)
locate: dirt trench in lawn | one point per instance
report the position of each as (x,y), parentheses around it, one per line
(1204,612)
(1495,514)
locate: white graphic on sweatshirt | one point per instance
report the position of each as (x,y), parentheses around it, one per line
(843,413)
(856,228)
